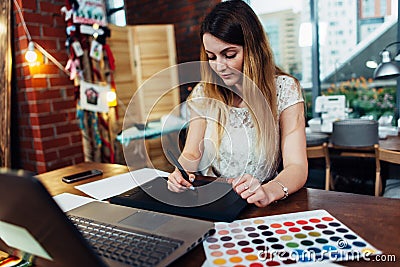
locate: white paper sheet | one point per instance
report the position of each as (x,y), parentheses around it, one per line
(68,201)
(16,236)
(119,184)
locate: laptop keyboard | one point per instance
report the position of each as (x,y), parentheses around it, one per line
(133,248)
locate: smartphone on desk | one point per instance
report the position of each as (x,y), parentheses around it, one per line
(81,176)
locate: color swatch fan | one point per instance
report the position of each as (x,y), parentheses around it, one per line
(279,240)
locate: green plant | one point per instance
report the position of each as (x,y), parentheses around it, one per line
(363,99)
(308,105)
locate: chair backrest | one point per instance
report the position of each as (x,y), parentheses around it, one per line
(320,151)
(389,155)
(386,155)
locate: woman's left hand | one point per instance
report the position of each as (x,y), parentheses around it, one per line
(250,189)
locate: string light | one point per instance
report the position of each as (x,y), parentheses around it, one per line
(112,98)
(31,55)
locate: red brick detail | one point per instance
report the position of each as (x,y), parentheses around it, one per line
(50,7)
(57,81)
(70,151)
(68,128)
(53,32)
(37,19)
(31,4)
(76,138)
(56,142)
(63,105)
(47,132)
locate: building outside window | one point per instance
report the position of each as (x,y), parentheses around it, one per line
(342,39)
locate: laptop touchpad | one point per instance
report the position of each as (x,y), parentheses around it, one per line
(145,220)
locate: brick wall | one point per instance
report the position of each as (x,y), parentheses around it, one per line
(186,17)
(49,135)
(48,132)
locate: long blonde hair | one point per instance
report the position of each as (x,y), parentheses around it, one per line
(235,22)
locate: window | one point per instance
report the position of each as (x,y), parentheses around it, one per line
(368,8)
(339,36)
(383,8)
(116,8)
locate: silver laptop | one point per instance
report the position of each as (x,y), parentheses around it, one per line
(95,234)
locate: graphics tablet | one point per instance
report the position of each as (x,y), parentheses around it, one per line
(214,201)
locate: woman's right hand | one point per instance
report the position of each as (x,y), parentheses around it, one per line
(176,183)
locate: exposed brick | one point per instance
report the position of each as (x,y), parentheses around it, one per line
(57,81)
(44,132)
(24,108)
(181,13)
(19,59)
(29,166)
(71,116)
(51,118)
(49,44)
(76,138)
(78,159)
(37,19)
(67,128)
(70,151)
(23,43)
(31,96)
(41,168)
(49,68)
(63,105)
(33,156)
(26,144)
(34,120)
(37,144)
(58,163)
(55,142)
(44,95)
(47,104)
(50,7)
(50,155)
(53,32)
(31,4)
(59,21)
(23,121)
(38,82)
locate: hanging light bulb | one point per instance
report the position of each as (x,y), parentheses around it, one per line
(30,54)
(112,98)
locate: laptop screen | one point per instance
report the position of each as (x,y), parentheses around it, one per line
(31,222)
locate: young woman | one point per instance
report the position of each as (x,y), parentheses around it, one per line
(247,115)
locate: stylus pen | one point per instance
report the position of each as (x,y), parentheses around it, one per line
(180,168)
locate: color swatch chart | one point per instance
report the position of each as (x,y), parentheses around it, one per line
(287,239)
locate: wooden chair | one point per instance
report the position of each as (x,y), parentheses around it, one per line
(321,151)
(386,155)
(359,152)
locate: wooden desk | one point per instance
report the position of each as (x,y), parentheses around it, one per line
(52,180)
(390,143)
(376,219)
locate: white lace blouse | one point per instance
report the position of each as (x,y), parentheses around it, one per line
(236,154)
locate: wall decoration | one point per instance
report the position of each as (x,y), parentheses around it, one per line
(90,12)
(93,97)
(91,66)
(96,50)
